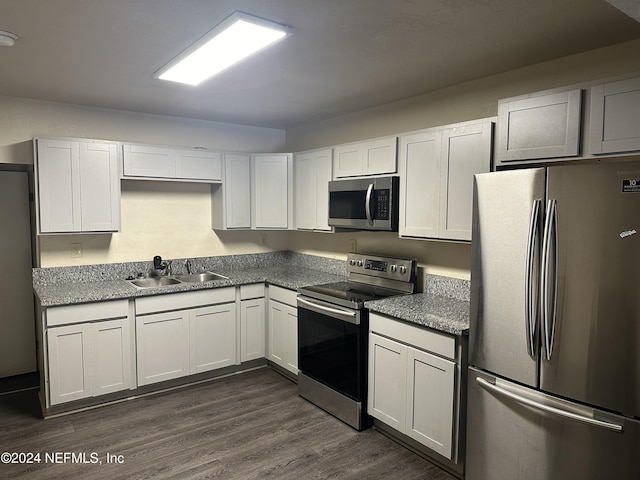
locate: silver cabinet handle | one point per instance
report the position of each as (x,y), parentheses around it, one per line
(348,314)
(367,204)
(549,250)
(547,408)
(530,311)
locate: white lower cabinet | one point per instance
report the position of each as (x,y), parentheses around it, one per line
(162,346)
(411,389)
(283,328)
(252,322)
(88,350)
(191,337)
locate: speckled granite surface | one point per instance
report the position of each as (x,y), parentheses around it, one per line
(57,290)
(444,305)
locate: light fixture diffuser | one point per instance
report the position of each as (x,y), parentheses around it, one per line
(237,37)
(7,39)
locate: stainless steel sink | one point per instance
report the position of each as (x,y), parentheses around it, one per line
(200,277)
(151,282)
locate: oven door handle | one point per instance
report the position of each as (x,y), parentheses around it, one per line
(347,315)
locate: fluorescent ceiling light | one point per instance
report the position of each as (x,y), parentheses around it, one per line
(237,37)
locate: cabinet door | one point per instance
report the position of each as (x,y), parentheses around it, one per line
(99,187)
(615,117)
(386,399)
(466,150)
(198,165)
(379,156)
(312,176)
(110,356)
(148,161)
(278,335)
(252,329)
(420,156)
(162,341)
(212,338)
(237,190)
(291,319)
(305,174)
(271,190)
(430,401)
(545,126)
(69,361)
(283,335)
(347,160)
(58,173)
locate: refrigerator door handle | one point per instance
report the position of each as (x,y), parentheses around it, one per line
(547,408)
(549,276)
(530,313)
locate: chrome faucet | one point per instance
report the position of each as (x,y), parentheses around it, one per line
(187,265)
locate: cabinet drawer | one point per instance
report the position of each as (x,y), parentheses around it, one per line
(255,290)
(177,301)
(438,343)
(86,312)
(283,295)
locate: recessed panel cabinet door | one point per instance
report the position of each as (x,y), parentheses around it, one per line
(162,346)
(99,187)
(430,401)
(271,189)
(149,161)
(420,184)
(386,399)
(252,329)
(198,165)
(58,173)
(212,337)
(110,356)
(615,117)
(69,361)
(543,126)
(283,336)
(305,171)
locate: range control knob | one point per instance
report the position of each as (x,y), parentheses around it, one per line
(352,262)
(403,269)
(393,268)
(359,263)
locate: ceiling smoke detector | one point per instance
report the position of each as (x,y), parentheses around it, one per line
(7,39)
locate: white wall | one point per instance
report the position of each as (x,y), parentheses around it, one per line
(168,219)
(472,100)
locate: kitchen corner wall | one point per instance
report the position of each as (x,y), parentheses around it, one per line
(468,101)
(158,218)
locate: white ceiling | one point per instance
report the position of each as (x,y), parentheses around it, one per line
(343,56)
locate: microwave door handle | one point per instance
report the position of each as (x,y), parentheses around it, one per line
(367,204)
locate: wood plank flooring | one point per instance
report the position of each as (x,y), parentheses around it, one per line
(248,426)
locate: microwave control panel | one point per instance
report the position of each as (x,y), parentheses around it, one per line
(382,204)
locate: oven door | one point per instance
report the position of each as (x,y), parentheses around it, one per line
(332,346)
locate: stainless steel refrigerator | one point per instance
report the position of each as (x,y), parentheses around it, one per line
(554,378)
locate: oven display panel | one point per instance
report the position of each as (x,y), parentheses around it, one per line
(376,265)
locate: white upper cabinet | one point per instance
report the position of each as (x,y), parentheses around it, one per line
(78,186)
(539,126)
(615,117)
(436,179)
(231,201)
(166,163)
(370,157)
(312,176)
(272,185)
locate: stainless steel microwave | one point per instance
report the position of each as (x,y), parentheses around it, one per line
(364,203)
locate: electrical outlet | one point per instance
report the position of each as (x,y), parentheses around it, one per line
(76,250)
(353,245)
(264,239)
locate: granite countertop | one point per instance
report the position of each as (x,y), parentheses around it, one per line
(449,315)
(444,306)
(286,276)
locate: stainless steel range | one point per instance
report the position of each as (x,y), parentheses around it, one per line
(333,329)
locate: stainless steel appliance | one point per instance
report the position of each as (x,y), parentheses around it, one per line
(364,203)
(554,383)
(333,327)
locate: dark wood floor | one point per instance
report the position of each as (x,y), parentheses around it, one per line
(247,426)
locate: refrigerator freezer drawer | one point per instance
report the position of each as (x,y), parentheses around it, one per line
(516,432)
